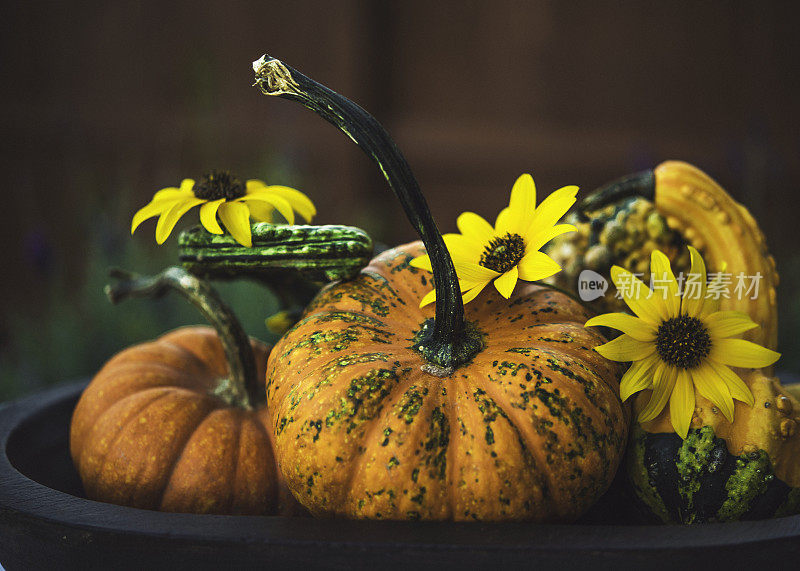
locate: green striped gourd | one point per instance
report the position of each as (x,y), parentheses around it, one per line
(316,253)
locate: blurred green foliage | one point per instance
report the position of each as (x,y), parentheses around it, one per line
(81,332)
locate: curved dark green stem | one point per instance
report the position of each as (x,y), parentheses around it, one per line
(243,388)
(450,343)
(641,184)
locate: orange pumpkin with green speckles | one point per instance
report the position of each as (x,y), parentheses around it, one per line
(530,428)
(497,411)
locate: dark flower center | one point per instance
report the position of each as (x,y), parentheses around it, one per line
(503,253)
(219,184)
(683,341)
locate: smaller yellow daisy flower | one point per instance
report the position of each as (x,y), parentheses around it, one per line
(679,343)
(223,194)
(509,251)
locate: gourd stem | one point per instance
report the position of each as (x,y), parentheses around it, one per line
(641,184)
(450,342)
(244,389)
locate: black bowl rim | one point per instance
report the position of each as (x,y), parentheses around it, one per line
(21,497)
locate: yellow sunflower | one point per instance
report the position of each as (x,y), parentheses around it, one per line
(510,250)
(224,194)
(679,343)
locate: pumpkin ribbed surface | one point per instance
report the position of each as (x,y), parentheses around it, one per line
(532,428)
(149,432)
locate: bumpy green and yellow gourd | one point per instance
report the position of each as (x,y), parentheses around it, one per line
(723,471)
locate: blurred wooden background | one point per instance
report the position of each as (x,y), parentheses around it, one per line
(105,102)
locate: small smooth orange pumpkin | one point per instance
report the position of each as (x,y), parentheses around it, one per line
(164,426)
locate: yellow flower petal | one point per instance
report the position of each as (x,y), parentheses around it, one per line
(505,284)
(261,211)
(736,386)
(422,262)
(473,272)
(536,238)
(462,248)
(471,288)
(625,348)
(298,201)
(663,382)
(711,305)
(554,207)
(681,404)
(475,228)
(694,295)
(638,377)
(169,218)
(279,323)
(537,266)
(429,297)
(254,185)
(728,323)
(183,191)
(664,285)
(502,224)
(280,204)
(236,218)
(154,208)
(472,293)
(465,285)
(741,353)
(208,216)
(712,387)
(172,194)
(522,205)
(635,294)
(639,329)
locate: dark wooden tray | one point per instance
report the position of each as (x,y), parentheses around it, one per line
(45,523)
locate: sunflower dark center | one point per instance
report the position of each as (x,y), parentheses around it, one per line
(503,253)
(219,184)
(683,341)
